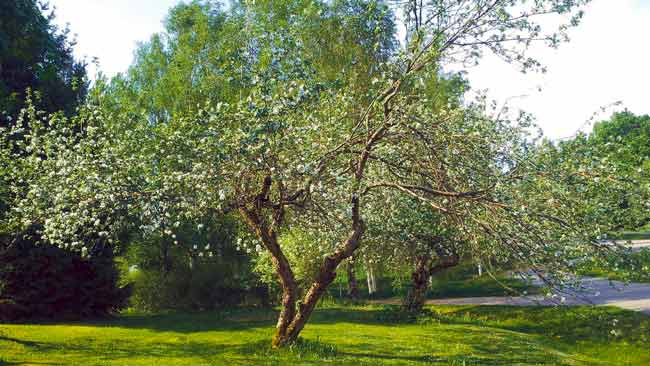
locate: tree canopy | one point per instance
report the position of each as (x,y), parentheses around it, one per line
(307,145)
(36,54)
(626,136)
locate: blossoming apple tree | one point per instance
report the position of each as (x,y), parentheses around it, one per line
(301,152)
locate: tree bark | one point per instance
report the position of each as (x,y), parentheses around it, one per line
(370,278)
(353,287)
(416,295)
(325,277)
(294,316)
(283,270)
(424,270)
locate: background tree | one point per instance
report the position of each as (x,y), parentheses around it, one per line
(199,57)
(410,236)
(36,54)
(615,151)
(623,139)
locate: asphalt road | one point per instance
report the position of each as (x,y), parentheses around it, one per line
(640,244)
(634,296)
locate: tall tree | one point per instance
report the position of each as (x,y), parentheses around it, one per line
(36,54)
(204,56)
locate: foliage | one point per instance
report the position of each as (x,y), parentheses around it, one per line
(623,139)
(194,270)
(372,335)
(203,55)
(303,252)
(641,272)
(300,150)
(622,192)
(46,282)
(35,54)
(626,136)
(207,286)
(180,69)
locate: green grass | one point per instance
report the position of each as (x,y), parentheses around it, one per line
(632,235)
(368,335)
(463,281)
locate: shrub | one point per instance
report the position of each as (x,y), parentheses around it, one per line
(208,286)
(198,270)
(41,281)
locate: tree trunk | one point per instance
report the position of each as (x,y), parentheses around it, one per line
(416,295)
(326,275)
(283,270)
(292,318)
(165,261)
(353,288)
(370,278)
(424,270)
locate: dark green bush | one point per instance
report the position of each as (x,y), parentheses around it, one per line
(41,281)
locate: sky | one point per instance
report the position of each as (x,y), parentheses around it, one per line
(607,60)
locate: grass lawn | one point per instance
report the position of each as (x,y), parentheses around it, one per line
(480,286)
(362,335)
(632,235)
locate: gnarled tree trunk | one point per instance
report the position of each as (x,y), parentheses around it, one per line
(416,295)
(353,287)
(425,268)
(293,315)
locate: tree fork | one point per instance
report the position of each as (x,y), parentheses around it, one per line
(424,269)
(282,268)
(326,275)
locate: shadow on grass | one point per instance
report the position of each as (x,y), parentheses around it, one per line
(6,363)
(498,335)
(307,351)
(570,324)
(20,341)
(188,322)
(124,349)
(237,319)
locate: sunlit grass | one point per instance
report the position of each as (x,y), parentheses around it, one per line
(364,335)
(633,235)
